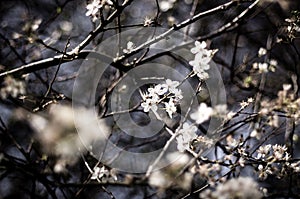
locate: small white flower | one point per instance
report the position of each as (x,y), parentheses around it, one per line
(286,87)
(273,62)
(202,74)
(183,142)
(171,85)
(279,151)
(220,110)
(205,140)
(147,21)
(152,92)
(263,67)
(177,94)
(149,104)
(93,8)
(99,173)
(262,52)
(170,108)
(231,142)
(242,162)
(199,47)
(202,114)
(161,89)
(255,65)
(263,151)
(200,62)
(130,47)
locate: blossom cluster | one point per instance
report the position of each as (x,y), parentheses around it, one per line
(241,187)
(188,131)
(202,58)
(94,6)
(167,176)
(102,174)
(12,87)
(293,25)
(130,47)
(264,67)
(157,94)
(286,103)
(271,155)
(186,135)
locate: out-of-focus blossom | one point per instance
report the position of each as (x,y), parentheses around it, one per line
(12,87)
(166,5)
(262,52)
(202,114)
(242,188)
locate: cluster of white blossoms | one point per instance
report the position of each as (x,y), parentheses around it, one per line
(202,58)
(188,131)
(159,93)
(264,67)
(242,187)
(103,174)
(186,135)
(130,47)
(278,153)
(94,6)
(270,154)
(12,87)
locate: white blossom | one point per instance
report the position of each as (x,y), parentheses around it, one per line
(263,151)
(220,110)
(130,47)
(147,21)
(263,67)
(12,87)
(93,8)
(262,52)
(199,47)
(279,151)
(264,172)
(156,95)
(103,174)
(172,85)
(202,114)
(241,187)
(186,135)
(161,89)
(177,94)
(201,60)
(170,108)
(149,104)
(166,5)
(98,173)
(286,87)
(273,62)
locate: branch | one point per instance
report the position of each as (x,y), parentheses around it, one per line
(78,53)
